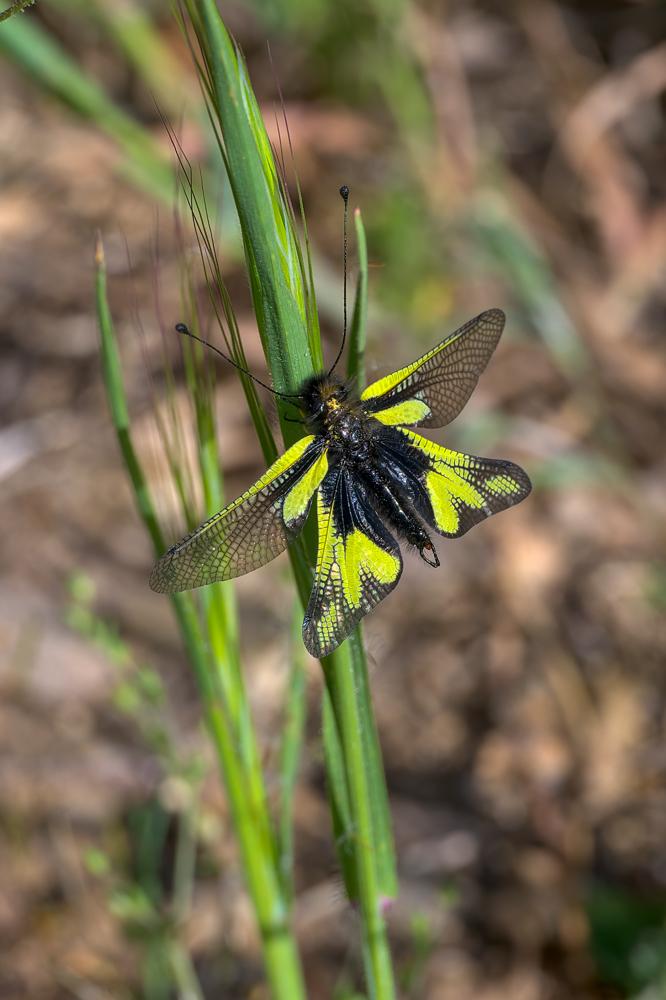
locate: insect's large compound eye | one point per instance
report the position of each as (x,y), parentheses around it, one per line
(314,413)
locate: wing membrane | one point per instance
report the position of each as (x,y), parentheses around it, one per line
(433,390)
(358,563)
(457,490)
(253,529)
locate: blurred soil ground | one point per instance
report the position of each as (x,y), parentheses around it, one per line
(520,691)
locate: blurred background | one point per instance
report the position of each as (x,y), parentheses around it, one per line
(503,154)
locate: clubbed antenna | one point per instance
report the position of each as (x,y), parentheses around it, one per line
(186,332)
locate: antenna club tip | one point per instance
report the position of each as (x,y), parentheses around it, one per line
(344,192)
(181,328)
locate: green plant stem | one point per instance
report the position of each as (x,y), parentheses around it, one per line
(343,690)
(382,838)
(278,283)
(184,974)
(251,823)
(293,727)
(40,56)
(272,257)
(225,707)
(134,30)
(280,955)
(221,617)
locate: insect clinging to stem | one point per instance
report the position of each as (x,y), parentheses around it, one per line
(373,476)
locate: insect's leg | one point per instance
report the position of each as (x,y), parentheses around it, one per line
(428,547)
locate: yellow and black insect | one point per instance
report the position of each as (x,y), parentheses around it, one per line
(375,480)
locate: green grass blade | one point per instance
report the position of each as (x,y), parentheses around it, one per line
(136,35)
(220,299)
(380,814)
(383,851)
(382,835)
(113,380)
(213,657)
(338,798)
(293,730)
(269,241)
(514,253)
(351,708)
(41,57)
(278,286)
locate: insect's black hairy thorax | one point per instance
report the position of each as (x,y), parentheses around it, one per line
(340,419)
(354,438)
(380,467)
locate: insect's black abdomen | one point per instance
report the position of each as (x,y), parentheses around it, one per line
(396,507)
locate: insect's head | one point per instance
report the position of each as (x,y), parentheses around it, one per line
(320,395)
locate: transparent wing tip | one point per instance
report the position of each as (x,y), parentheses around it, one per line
(162,578)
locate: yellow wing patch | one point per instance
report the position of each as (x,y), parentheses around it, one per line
(446,515)
(389,382)
(356,568)
(361,558)
(448,489)
(250,531)
(299,496)
(464,489)
(279,466)
(412,411)
(503,484)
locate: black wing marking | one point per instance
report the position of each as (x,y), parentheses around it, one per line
(358,563)
(451,491)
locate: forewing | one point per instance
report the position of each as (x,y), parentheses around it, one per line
(253,529)
(358,563)
(434,389)
(458,490)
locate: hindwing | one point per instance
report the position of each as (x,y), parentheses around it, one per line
(450,490)
(358,562)
(253,529)
(433,389)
